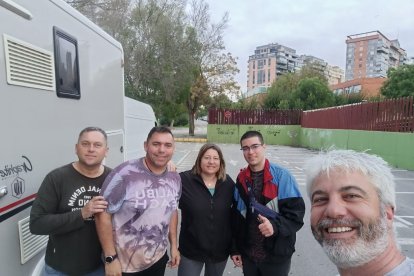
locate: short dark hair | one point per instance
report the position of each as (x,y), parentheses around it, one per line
(221,174)
(89,129)
(159,129)
(250,134)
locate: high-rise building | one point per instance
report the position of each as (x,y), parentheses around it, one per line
(268,62)
(371,54)
(333,74)
(272,60)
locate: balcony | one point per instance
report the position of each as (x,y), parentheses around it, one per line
(281,60)
(382,49)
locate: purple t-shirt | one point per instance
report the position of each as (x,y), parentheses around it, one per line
(141,203)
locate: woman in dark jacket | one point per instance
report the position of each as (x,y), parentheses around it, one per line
(206,208)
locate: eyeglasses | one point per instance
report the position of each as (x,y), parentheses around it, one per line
(253,147)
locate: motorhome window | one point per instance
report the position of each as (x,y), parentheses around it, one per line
(66,65)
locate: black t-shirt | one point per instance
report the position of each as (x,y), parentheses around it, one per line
(256,252)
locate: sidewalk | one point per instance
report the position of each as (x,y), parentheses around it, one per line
(200,133)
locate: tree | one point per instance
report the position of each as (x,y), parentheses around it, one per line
(174,55)
(400,82)
(215,69)
(220,101)
(312,93)
(281,90)
(281,95)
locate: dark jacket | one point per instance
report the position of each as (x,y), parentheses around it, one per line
(281,194)
(205,233)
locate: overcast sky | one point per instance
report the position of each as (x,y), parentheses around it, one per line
(311,27)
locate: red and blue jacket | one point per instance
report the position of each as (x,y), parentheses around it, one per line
(281,194)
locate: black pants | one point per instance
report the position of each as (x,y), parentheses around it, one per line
(157,269)
(265,269)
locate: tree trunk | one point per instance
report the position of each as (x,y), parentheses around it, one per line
(191,126)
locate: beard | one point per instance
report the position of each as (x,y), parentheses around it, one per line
(371,241)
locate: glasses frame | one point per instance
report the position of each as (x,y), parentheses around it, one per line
(253,148)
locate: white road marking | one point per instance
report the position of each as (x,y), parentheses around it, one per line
(403,221)
(233,162)
(400,225)
(405,241)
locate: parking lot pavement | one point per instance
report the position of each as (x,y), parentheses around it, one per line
(309,259)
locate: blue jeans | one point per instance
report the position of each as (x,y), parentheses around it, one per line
(189,267)
(49,271)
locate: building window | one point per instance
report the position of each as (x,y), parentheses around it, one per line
(66,65)
(261,76)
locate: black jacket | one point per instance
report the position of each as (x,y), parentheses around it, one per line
(205,233)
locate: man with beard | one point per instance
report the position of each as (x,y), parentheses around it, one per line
(353,205)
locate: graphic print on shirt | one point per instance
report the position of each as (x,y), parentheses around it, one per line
(144,229)
(142,205)
(81,196)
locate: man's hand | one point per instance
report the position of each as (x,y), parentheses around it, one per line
(175,258)
(265,226)
(113,269)
(96,205)
(237,260)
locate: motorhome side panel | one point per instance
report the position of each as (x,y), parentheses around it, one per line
(39,129)
(139,119)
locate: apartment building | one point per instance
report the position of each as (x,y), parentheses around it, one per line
(268,62)
(333,74)
(272,60)
(371,54)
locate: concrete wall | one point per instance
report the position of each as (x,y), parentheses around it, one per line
(396,148)
(272,134)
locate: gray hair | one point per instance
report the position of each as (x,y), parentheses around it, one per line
(373,167)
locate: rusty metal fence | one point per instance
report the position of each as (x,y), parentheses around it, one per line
(394,115)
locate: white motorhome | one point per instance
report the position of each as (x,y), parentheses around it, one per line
(58,74)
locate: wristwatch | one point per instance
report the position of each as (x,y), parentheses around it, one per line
(110,259)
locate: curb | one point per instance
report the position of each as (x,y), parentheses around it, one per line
(190,139)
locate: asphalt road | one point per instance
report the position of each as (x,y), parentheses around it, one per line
(309,259)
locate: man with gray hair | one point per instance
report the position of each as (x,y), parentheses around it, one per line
(353,205)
